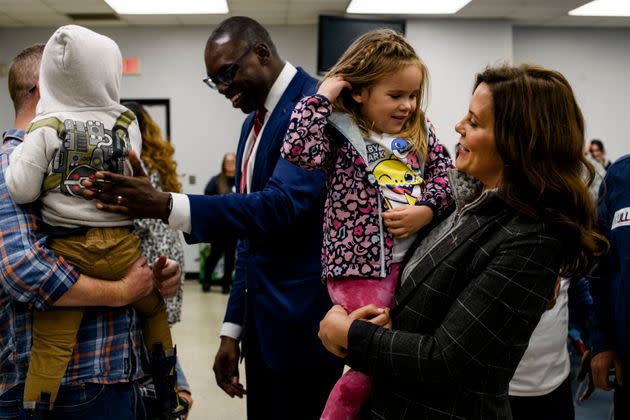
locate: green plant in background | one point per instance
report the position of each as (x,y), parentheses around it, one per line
(217,274)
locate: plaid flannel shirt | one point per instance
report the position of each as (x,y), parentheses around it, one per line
(33,278)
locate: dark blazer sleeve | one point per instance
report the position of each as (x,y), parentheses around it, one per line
(499,308)
(235,311)
(290,192)
(602,327)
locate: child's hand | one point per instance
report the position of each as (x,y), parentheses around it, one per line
(404,221)
(331,87)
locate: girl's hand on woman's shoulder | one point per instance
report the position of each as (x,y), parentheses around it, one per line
(331,87)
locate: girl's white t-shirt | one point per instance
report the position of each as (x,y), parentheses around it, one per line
(388,159)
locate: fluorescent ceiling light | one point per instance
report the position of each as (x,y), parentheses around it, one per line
(603,8)
(407,7)
(168,7)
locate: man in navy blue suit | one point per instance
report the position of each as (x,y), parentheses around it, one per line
(278,298)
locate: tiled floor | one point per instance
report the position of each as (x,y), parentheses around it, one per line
(197,338)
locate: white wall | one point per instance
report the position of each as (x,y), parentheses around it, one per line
(204,126)
(455,51)
(597,64)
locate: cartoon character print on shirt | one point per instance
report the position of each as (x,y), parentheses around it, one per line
(85,147)
(398,174)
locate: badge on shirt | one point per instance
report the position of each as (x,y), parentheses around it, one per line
(621,218)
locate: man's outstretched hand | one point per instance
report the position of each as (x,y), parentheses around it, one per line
(133,196)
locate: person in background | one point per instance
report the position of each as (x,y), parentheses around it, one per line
(223,183)
(610,335)
(32,279)
(476,285)
(156,237)
(597,151)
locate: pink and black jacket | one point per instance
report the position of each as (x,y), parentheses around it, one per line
(356,242)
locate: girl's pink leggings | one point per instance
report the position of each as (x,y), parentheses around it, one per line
(353,389)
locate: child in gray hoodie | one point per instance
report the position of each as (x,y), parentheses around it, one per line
(81,128)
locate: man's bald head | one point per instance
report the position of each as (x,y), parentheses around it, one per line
(23,77)
(241,31)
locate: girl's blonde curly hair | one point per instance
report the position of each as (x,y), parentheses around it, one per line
(372,57)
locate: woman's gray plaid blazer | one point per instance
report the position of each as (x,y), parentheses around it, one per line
(471,295)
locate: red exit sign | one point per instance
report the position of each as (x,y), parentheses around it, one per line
(131,65)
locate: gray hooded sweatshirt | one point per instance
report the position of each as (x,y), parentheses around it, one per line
(79,85)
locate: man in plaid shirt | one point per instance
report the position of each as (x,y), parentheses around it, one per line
(101,379)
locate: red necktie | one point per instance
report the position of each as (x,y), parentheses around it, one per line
(259,120)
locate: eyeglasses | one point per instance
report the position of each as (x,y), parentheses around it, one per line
(225,76)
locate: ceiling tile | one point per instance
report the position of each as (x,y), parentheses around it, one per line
(27,7)
(84,8)
(150,19)
(200,19)
(300,12)
(44,20)
(103,23)
(486,12)
(5,20)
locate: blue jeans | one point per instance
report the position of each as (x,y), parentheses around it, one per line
(84,401)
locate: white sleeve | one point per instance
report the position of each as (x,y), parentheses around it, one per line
(28,164)
(180,214)
(229,329)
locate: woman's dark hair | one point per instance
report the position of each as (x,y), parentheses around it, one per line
(599,144)
(539,132)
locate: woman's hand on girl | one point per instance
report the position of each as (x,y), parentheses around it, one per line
(373,314)
(333,331)
(331,87)
(404,221)
(334,328)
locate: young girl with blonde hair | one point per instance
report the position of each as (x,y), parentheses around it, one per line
(385,177)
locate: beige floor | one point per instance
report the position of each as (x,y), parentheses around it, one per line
(197,339)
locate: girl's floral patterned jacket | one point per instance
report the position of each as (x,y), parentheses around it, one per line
(356,243)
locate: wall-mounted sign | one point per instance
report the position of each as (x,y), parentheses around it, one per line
(131,65)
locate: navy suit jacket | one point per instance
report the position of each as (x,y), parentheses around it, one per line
(277,287)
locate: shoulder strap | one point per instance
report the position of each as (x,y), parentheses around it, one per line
(52,181)
(52,122)
(125,119)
